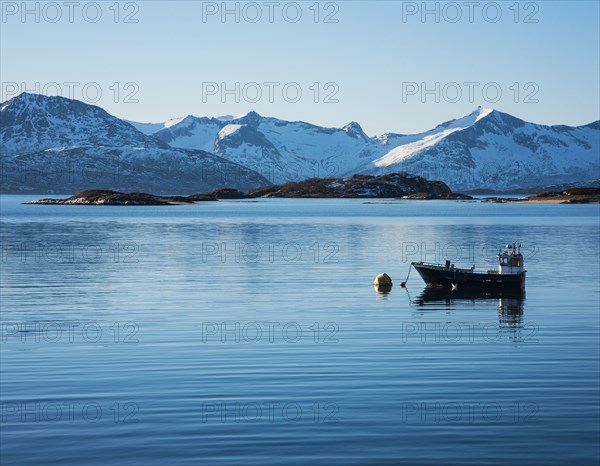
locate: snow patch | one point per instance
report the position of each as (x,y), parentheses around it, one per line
(228,130)
(173,121)
(431,138)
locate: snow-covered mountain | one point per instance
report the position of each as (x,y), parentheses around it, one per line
(486,149)
(247,146)
(192,133)
(489,149)
(280,150)
(32,122)
(54,144)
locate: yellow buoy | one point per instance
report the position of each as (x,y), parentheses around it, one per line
(383,279)
(383,283)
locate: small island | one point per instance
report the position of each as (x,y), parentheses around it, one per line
(108,197)
(566,196)
(393,185)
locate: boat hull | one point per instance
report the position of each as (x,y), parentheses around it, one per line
(461,279)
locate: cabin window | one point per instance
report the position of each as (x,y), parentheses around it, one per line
(504,260)
(516,262)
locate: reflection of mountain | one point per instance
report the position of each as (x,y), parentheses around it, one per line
(510,305)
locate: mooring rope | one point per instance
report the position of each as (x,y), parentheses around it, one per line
(403,284)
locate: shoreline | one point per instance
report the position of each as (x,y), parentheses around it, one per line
(367,200)
(109,197)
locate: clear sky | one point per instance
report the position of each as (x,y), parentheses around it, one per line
(391,66)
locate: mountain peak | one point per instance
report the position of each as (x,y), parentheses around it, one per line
(25,96)
(468,120)
(35,104)
(355,130)
(478,114)
(251,118)
(250,114)
(33,122)
(25,99)
(176,121)
(481,112)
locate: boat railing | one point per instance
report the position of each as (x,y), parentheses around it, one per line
(437,266)
(443,267)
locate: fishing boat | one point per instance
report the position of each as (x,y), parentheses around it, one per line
(509,277)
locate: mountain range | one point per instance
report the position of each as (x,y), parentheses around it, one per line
(58,145)
(54,144)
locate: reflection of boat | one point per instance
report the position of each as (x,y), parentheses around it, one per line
(432,294)
(510,302)
(509,278)
(510,311)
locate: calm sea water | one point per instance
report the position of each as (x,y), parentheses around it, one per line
(250,333)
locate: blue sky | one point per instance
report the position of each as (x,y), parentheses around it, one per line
(369,65)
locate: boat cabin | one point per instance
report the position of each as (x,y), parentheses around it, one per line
(510,260)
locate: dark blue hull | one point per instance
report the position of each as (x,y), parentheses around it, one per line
(465,279)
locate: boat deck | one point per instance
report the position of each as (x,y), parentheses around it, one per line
(457,269)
